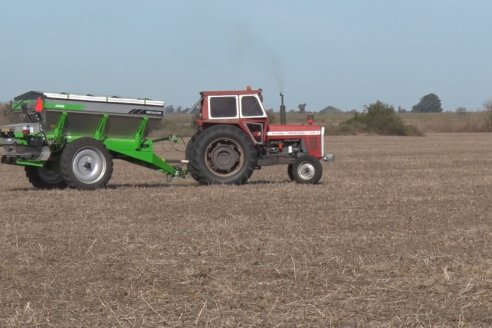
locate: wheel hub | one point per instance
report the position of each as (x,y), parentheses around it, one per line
(306,171)
(224,157)
(89,165)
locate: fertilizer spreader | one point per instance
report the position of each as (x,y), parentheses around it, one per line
(68,139)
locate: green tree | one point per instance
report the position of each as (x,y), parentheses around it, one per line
(302,108)
(428,104)
(330,110)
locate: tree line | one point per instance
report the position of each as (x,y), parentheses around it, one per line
(429,103)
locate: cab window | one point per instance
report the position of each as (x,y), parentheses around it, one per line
(250,106)
(223,107)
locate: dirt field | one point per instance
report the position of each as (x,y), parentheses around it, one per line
(398,234)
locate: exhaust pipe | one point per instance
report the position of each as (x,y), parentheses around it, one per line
(282,110)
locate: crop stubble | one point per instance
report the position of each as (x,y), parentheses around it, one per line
(397,234)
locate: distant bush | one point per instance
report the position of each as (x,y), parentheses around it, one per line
(330,110)
(378,118)
(488,116)
(176,123)
(6,116)
(271,116)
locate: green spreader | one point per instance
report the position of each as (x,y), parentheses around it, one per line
(70,140)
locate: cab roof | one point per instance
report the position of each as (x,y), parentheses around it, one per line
(247,91)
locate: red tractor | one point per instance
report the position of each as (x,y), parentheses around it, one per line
(234,138)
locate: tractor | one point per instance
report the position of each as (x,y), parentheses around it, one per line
(234,137)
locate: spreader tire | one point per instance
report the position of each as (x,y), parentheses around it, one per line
(86,164)
(222,154)
(307,169)
(45,177)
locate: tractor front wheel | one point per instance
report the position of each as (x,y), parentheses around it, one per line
(307,169)
(86,164)
(222,154)
(45,177)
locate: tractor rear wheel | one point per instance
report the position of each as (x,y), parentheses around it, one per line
(307,169)
(222,154)
(86,164)
(45,177)
(188,153)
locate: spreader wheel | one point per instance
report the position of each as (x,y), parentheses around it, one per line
(307,169)
(222,154)
(86,164)
(45,177)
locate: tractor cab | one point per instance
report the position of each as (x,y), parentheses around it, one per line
(242,108)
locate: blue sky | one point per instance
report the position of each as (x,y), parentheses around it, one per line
(341,53)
